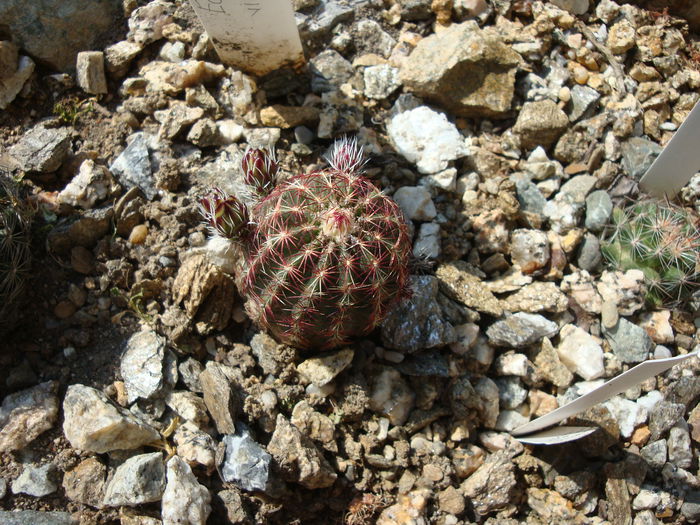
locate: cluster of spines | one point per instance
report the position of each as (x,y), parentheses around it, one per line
(326,252)
(663,241)
(329,257)
(14,249)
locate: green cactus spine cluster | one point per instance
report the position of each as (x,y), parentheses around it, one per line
(14,250)
(663,241)
(325,253)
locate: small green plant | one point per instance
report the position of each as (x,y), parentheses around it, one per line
(135,303)
(663,241)
(70,110)
(15,251)
(322,255)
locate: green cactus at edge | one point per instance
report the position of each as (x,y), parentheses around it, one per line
(14,250)
(661,240)
(323,255)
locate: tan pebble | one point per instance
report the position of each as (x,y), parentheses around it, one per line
(121,397)
(640,436)
(571,240)
(64,309)
(564,94)
(138,234)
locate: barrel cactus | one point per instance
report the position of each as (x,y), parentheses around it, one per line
(324,255)
(14,250)
(663,241)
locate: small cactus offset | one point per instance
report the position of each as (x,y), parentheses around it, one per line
(661,240)
(325,254)
(14,250)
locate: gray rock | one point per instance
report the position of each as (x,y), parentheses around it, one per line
(328,71)
(493,484)
(415,10)
(426,138)
(90,72)
(143,365)
(93,424)
(195,446)
(245,462)
(489,395)
(36,480)
(638,154)
(415,202)
(691,506)
(589,255)
(529,196)
(298,458)
(577,188)
(3,487)
(27,414)
(598,210)
(189,374)
(427,363)
(328,14)
(223,402)
(575,7)
(118,57)
(35,517)
(391,395)
(529,250)
(369,37)
(146,23)
(427,245)
(540,123)
(680,452)
(655,454)
(467,71)
(11,85)
(583,101)
(175,119)
(323,369)
(140,479)
(381,81)
(42,149)
(663,416)
(511,393)
(629,342)
(464,284)
(417,323)
(185,501)
(303,135)
(54,31)
(520,329)
(133,166)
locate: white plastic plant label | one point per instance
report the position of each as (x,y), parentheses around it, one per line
(678,162)
(532,432)
(256,36)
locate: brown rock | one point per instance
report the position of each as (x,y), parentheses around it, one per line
(640,436)
(206,293)
(27,414)
(460,281)
(540,123)
(298,458)
(64,309)
(492,486)
(451,501)
(285,117)
(553,506)
(81,260)
(221,399)
(466,70)
(8,59)
(86,482)
(90,72)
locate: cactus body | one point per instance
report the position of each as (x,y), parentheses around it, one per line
(662,241)
(14,251)
(326,254)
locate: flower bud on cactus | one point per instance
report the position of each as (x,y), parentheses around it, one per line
(14,250)
(225,215)
(326,254)
(260,170)
(661,240)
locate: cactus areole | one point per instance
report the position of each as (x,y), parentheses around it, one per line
(324,254)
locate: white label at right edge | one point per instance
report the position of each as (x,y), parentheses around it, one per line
(256,36)
(678,162)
